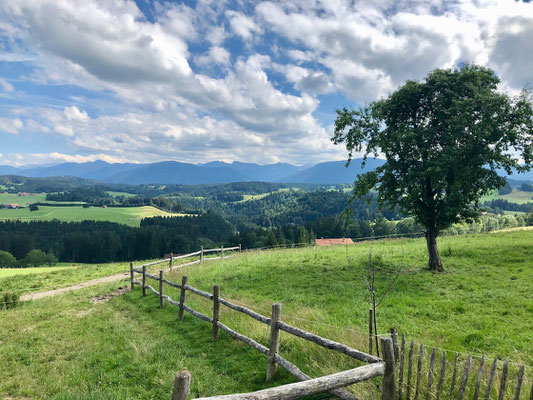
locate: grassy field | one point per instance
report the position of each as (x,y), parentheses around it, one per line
(21,200)
(124,215)
(129,348)
(516,196)
(116,194)
(7,272)
(29,280)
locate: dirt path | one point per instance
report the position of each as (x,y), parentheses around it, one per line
(93,282)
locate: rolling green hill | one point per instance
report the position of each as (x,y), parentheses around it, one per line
(129,348)
(124,215)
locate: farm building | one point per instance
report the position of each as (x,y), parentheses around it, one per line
(332,242)
(10,205)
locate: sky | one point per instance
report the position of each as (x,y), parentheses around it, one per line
(198,81)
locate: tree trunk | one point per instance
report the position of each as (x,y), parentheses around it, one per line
(434,257)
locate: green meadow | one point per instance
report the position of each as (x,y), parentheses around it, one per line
(74,346)
(13,198)
(123,215)
(516,196)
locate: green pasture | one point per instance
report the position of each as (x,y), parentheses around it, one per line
(516,196)
(117,194)
(124,215)
(13,198)
(40,279)
(75,346)
(7,272)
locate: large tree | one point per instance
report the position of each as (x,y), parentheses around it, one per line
(445,141)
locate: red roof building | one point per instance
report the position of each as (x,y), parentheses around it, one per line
(332,242)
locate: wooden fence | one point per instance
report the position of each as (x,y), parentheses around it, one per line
(410,371)
(333,383)
(421,373)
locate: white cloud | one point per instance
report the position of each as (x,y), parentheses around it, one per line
(161,107)
(11,126)
(6,86)
(215,55)
(242,25)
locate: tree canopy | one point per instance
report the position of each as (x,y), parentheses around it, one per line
(444,140)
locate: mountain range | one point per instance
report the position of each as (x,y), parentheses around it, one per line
(174,172)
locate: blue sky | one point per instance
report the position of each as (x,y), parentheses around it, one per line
(198,81)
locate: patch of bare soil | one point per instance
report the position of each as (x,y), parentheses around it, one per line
(106,279)
(106,297)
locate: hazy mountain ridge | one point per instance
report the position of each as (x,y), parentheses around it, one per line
(174,172)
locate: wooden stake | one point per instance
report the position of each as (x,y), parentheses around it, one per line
(161,288)
(519,383)
(479,376)
(394,337)
(370,333)
(402,362)
(410,369)
(131,275)
(274,341)
(170,261)
(454,375)
(216,312)
(491,378)
(144,280)
(442,373)
(240,248)
(430,373)
(464,378)
(222,251)
(182,297)
(419,370)
(503,380)
(182,382)
(202,254)
(389,378)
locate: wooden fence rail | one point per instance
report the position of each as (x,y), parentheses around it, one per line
(331,383)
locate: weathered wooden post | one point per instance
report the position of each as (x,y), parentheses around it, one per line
(202,254)
(216,312)
(182,297)
(394,337)
(222,251)
(170,261)
(182,382)
(131,275)
(144,280)
(370,334)
(503,380)
(161,294)
(240,248)
(274,341)
(389,378)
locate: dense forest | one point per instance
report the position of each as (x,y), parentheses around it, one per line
(253,214)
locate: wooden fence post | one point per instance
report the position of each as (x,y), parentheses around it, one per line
(394,337)
(370,334)
(182,297)
(389,378)
(201,254)
(274,341)
(131,275)
(161,288)
(170,261)
(144,280)
(222,251)
(216,312)
(240,248)
(182,382)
